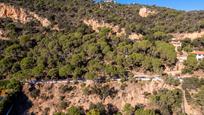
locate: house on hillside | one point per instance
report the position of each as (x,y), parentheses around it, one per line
(199,55)
(109,0)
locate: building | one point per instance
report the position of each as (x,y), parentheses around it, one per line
(109,0)
(199,55)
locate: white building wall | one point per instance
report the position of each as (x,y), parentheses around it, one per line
(199,56)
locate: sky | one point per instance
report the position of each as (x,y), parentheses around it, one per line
(187,5)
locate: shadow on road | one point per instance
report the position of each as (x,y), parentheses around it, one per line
(21,105)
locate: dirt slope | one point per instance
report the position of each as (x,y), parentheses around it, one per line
(51,97)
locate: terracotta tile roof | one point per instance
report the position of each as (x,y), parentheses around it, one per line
(198,52)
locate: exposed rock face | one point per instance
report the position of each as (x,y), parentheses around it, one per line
(21,15)
(134,36)
(96,25)
(44,21)
(145,12)
(17,14)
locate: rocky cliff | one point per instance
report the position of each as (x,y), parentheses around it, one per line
(21,15)
(96,25)
(145,12)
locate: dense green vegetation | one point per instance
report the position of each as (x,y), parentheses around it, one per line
(100,109)
(14,29)
(190,45)
(192,83)
(138,110)
(192,64)
(172,81)
(94,109)
(59,61)
(101,91)
(106,48)
(81,54)
(169,101)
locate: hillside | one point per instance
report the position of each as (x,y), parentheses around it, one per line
(42,40)
(122,93)
(70,13)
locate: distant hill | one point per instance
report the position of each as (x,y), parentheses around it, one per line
(68,14)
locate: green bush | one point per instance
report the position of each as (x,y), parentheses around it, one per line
(168,100)
(172,81)
(144,112)
(63,105)
(65,88)
(128,109)
(73,111)
(192,83)
(35,93)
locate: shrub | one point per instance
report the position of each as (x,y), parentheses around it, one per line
(27,63)
(99,106)
(63,105)
(65,88)
(128,109)
(86,91)
(192,83)
(144,112)
(73,111)
(35,93)
(93,112)
(172,81)
(168,100)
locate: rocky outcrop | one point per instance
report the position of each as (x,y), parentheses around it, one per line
(44,21)
(17,14)
(96,25)
(21,15)
(145,12)
(135,36)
